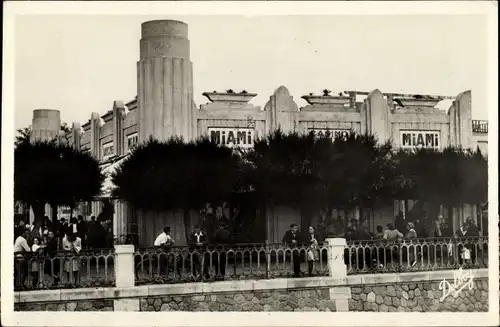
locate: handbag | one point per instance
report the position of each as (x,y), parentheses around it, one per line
(310,255)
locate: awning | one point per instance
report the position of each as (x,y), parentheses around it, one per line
(108,169)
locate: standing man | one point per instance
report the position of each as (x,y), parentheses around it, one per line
(198,244)
(51,251)
(21,251)
(293,240)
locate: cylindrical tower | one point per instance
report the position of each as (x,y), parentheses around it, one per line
(164,81)
(46,125)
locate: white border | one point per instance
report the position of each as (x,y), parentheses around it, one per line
(486,8)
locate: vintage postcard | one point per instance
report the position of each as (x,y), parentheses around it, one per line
(249,163)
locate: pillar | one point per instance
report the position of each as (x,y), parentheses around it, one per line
(76,134)
(164,82)
(460,117)
(124,265)
(336,264)
(95,131)
(377,115)
(118,135)
(125,277)
(45,125)
(281,112)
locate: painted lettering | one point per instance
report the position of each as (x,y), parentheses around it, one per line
(215,136)
(231,136)
(419,139)
(241,137)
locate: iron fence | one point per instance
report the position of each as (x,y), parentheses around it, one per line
(179,264)
(227,262)
(90,268)
(378,256)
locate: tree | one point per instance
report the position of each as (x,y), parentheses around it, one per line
(362,173)
(46,172)
(450,177)
(313,173)
(175,175)
(284,170)
(25,133)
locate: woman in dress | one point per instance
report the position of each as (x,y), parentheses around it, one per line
(312,251)
(36,249)
(73,245)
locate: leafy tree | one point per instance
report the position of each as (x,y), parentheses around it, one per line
(313,173)
(284,169)
(361,173)
(46,172)
(177,175)
(25,133)
(450,177)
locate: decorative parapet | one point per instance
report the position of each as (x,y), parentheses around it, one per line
(328,100)
(229,100)
(229,97)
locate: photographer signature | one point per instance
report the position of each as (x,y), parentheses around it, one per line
(461,280)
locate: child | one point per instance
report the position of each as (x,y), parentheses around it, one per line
(35,264)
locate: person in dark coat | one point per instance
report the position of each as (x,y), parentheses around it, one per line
(198,243)
(51,251)
(293,240)
(222,237)
(473,232)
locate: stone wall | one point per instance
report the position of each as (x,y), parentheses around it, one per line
(390,292)
(276,300)
(418,297)
(92,305)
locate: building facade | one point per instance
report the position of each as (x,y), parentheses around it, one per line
(164,107)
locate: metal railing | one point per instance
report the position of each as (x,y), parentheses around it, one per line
(227,262)
(480,126)
(90,268)
(378,256)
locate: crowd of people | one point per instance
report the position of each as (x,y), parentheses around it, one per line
(424,229)
(200,243)
(47,239)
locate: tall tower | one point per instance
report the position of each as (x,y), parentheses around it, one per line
(45,125)
(165,81)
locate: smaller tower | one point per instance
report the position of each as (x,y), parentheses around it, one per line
(46,125)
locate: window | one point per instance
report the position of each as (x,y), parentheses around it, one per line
(132,140)
(107,150)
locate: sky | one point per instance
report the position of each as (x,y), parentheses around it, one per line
(81,64)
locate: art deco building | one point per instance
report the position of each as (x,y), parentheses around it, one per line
(164,107)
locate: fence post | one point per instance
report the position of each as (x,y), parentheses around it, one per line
(268,259)
(124,265)
(336,264)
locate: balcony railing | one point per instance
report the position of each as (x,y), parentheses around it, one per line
(480,126)
(224,262)
(416,255)
(90,268)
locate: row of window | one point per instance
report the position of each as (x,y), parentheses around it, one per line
(108,149)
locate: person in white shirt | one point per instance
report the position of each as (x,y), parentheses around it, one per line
(164,240)
(21,244)
(73,245)
(21,247)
